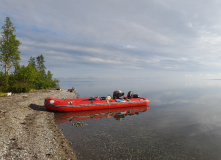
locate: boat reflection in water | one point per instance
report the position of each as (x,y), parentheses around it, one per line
(117,113)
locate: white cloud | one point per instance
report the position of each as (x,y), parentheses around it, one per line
(99,60)
(190,25)
(130,46)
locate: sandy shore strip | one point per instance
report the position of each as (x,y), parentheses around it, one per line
(28,130)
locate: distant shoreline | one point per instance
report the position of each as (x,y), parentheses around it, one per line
(28,130)
(213,79)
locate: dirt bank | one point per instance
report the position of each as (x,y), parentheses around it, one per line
(27,128)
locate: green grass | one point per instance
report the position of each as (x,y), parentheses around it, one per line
(2,94)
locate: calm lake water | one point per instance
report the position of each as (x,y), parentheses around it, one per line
(182,121)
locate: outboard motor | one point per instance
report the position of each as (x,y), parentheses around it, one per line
(130,95)
(136,96)
(117,94)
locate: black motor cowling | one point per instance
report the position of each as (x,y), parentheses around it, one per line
(117,94)
(135,96)
(131,95)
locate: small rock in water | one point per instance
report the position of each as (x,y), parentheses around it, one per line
(78,124)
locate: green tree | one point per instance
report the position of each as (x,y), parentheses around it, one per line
(49,75)
(4,85)
(24,79)
(9,47)
(40,64)
(32,61)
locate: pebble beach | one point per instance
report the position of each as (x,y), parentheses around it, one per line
(28,129)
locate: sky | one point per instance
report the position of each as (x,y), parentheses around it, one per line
(115,39)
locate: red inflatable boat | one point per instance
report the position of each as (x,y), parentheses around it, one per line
(83,104)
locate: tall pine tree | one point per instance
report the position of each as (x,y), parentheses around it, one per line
(40,64)
(32,61)
(9,45)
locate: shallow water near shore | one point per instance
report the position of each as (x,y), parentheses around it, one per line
(182,121)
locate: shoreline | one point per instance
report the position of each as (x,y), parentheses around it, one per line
(28,129)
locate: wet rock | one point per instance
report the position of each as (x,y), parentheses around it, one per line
(78,124)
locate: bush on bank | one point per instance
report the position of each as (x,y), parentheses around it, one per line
(26,78)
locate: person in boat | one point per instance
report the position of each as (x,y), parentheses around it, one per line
(118,94)
(108,98)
